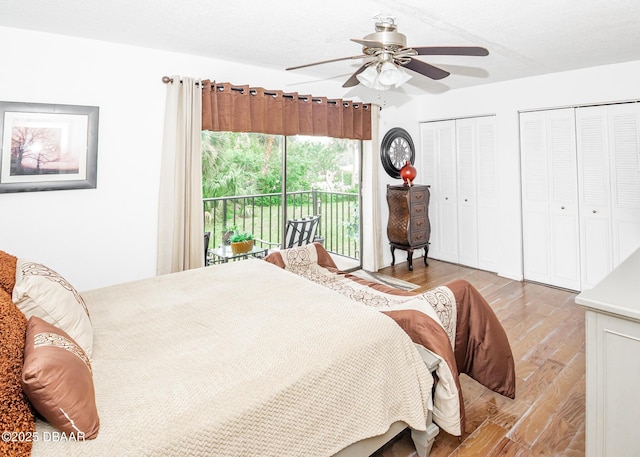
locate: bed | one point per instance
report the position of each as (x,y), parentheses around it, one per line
(268,358)
(240,359)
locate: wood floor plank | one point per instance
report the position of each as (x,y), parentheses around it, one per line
(557,436)
(556,414)
(482,441)
(576,447)
(529,428)
(539,381)
(508,448)
(546,332)
(479,411)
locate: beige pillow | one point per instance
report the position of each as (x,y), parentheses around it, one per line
(40,291)
(57,380)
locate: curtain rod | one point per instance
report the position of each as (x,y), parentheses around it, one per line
(167,80)
(303,98)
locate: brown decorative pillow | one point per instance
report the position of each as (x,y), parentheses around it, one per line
(57,379)
(16,416)
(40,291)
(7,271)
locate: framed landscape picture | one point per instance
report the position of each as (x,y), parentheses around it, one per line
(48,147)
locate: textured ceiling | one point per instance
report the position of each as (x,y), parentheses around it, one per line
(524,38)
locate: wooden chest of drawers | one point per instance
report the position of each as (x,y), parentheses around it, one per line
(408,228)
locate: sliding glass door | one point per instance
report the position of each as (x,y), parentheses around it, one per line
(256,182)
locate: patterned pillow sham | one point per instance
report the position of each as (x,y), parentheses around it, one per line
(40,291)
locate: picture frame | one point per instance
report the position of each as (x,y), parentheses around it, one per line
(48,147)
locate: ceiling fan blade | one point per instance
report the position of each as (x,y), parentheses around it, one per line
(368,43)
(451,51)
(328,61)
(353,81)
(426,69)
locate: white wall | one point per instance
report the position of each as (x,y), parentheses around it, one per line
(106,235)
(594,85)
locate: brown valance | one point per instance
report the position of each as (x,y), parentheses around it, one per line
(230,108)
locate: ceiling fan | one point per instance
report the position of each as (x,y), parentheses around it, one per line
(388,56)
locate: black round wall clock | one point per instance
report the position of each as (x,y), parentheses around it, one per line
(396,148)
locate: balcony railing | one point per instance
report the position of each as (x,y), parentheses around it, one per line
(261,215)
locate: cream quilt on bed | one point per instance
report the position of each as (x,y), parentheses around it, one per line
(243,359)
(438,303)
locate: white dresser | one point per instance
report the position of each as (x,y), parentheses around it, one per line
(613,362)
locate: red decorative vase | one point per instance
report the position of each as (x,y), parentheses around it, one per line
(408,173)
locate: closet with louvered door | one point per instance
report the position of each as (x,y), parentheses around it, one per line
(551,245)
(580,192)
(608,140)
(459,165)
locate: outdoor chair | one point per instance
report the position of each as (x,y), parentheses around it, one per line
(298,232)
(207,237)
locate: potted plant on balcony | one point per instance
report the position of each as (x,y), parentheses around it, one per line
(241,242)
(227,233)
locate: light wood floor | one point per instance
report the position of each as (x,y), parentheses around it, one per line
(546,331)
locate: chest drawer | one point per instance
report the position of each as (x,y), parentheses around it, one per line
(419,223)
(419,196)
(418,210)
(419,237)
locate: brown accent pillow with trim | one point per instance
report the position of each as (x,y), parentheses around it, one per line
(16,416)
(57,379)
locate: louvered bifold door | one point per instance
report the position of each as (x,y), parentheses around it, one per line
(624,139)
(466,141)
(427,175)
(551,248)
(535,195)
(487,193)
(609,171)
(439,154)
(595,194)
(563,199)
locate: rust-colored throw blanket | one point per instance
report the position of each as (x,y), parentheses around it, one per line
(16,416)
(453,321)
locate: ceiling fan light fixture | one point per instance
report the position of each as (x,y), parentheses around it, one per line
(391,58)
(404,77)
(371,79)
(392,75)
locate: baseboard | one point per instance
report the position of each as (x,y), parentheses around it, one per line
(514,276)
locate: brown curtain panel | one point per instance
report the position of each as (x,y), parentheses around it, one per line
(231,108)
